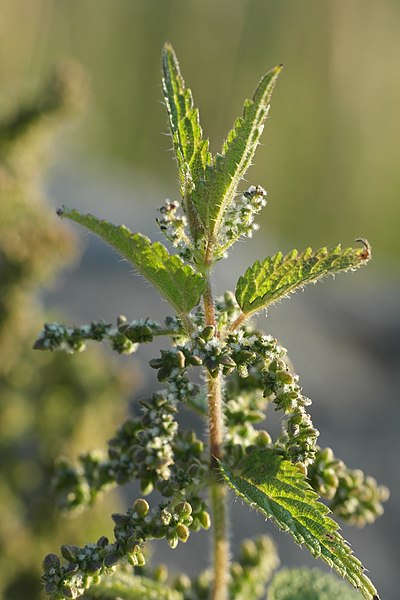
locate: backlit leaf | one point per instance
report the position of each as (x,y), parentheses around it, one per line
(177,282)
(191,149)
(276,488)
(230,166)
(277,276)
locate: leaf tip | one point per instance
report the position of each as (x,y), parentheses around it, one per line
(167,48)
(366,251)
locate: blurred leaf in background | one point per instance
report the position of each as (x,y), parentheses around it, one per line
(48,404)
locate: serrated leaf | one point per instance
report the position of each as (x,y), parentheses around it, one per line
(177,282)
(308,584)
(276,488)
(230,166)
(130,587)
(275,277)
(191,149)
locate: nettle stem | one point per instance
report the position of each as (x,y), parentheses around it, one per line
(218,490)
(239,321)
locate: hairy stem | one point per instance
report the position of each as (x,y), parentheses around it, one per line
(215,422)
(218,490)
(239,321)
(221,542)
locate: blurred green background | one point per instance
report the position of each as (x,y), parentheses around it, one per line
(329,161)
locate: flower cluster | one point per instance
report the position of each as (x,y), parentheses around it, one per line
(124,338)
(172,367)
(141,449)
(239,219)
(353,496)
(173,225)
(249,575)
(262,364)
(80,568)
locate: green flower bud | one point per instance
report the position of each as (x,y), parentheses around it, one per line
(201,343)
(182,583)
(102,541)
(227,361)
(136,557)
(183,510)
(120,520)
(249,551)
(284,377)
(51,587)
(146,487)
(93,566)
(181,359)
(141,507)
(183,532)
(245,356)
(156,363)
(172,539)
(236,570)
(111,559)
(195,525)
(160,573)
(163,374)
(132,559)
(301,467)
(263,438)
(70,552)
(205,519)
(141,561)
(51,561)
(208,332)
(194,360)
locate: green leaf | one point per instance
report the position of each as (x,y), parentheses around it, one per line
(308,584)
(277,276)
(130,587)
(229,167)
(191,149)
(177,282)
(277,489)
(209,185)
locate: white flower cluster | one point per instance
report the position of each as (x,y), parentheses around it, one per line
(173,225)
(239,219)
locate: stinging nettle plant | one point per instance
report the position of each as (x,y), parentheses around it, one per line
(243,371)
